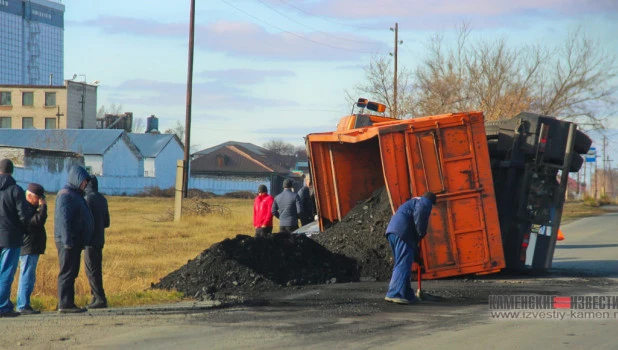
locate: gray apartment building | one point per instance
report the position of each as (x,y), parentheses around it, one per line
(31,42)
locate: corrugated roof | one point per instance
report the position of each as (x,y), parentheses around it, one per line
(150,145)
(237,159)
(248,146)
(83,141)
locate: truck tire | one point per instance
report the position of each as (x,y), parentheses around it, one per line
(582,143)
(576,163)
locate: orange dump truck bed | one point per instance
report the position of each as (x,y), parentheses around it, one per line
(445,154)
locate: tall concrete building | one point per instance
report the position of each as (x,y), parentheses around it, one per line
(31,42)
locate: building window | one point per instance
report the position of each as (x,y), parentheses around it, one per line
(5,98)
(50,123)
(5,122)
(50,99)
(27,98)
(27,123)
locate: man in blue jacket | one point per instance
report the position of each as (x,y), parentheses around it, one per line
(405,230)
(73,228)
(287,208)
(14,216)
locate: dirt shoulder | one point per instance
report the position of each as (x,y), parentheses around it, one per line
(577,210)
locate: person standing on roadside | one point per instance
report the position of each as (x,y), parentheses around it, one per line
(14,217)
(35,243)
(262,215)
(307,201)
(73,228)
(405,230)
(287,208)
(93,254)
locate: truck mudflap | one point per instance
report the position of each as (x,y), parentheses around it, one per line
(445,154)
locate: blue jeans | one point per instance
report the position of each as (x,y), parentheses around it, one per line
(403,254)
(27,278)
(9,258)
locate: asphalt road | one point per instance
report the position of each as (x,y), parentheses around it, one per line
(354,315)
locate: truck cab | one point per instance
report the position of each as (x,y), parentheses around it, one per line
(360,119)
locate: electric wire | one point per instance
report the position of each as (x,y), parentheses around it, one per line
(292,33)
(309,27)
(324,17)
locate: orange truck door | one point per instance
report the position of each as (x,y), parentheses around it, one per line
(448,156)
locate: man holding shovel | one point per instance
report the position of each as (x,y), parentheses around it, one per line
(405,230)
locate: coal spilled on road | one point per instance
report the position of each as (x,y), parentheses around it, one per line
(352,250)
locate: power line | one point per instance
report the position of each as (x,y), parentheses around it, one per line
(292,33)
(307,26)
(324,17)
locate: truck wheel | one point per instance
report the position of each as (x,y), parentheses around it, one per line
(582,142)
(576,163)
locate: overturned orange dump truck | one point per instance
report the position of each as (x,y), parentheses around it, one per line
(501,184)
(445,154)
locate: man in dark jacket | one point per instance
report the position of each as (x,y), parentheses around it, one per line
(287,208)
(307,201)
(35,243)
(73,228)
(14,216)
(405,230)
(93,254)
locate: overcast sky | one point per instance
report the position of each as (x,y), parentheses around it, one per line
(266,69)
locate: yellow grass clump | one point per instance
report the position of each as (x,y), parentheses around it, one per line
(140,249)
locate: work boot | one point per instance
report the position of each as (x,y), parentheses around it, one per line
(29,311)
(72,310)
(397,300)
(9,313)
(97,305)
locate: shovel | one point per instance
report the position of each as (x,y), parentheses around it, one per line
(420,295)
(419,292)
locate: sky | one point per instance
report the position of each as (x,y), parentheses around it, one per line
(280,69)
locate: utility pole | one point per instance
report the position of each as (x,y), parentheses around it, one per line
(604,166)
(185,172)
(396,30)
(58,115)
(611,178)
(586,183)
(596,178)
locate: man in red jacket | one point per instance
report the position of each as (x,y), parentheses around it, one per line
(262,215)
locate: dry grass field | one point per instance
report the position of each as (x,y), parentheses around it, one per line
(577,209)
(142,246)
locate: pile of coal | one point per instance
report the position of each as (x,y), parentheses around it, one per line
(360,236)
(245,264)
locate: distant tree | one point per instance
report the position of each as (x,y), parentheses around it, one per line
(177,129)
(378,87)
(139,125)
(300,152)
(571,81)
(113,109)
(280,147)
(574,81)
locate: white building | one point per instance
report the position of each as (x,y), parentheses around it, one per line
(160,153)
